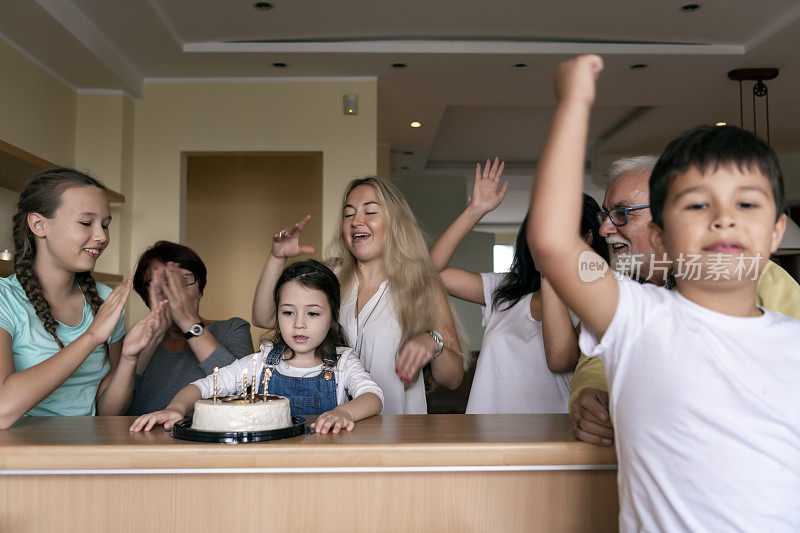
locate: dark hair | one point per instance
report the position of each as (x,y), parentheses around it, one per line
(314,275)
(43,195)
(590,222)
(523,278)
(164,251)
(711,147)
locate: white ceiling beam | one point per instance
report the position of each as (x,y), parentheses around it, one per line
(74,21)
(166,22)
(771,29)
(464,47)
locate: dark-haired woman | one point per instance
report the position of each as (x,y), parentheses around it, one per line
(524,320)
(61,347)
(187,347)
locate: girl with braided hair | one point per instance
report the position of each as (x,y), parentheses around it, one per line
(61,347)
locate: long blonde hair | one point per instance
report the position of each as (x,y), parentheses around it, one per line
(413,282)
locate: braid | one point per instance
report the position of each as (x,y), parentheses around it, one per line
(23,266)
(88,287)
(25,251)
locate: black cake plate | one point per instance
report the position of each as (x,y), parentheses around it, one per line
(183,430)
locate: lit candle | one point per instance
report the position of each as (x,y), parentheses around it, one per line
(244,383)
(216,373)
(265,382)
(253,380)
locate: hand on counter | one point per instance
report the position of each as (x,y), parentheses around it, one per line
(146,422)
(333,421)
(591,420)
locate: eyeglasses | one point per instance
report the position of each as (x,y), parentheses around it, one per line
(618,215)
(188,279)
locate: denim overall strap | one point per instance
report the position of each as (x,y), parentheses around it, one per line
(271,360)
(307,396)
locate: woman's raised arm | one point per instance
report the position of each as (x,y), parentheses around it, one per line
(487,193)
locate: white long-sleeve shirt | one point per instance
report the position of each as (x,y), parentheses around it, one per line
(351,377)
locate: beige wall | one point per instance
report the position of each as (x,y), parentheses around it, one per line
(38,111)
(103,148)
(38,115)
(175,118)
(234,204)
(385,161)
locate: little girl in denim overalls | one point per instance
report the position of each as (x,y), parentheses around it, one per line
(306,360)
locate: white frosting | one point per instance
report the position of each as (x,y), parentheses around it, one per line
(241,416)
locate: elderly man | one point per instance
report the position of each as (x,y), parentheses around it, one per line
(626,229)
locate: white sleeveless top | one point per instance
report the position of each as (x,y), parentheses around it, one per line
(512,374)
(376,335)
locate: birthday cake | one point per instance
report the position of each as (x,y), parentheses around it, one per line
(240,414)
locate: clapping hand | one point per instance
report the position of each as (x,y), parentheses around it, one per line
(487,193)
(183,306)
(286,243)
(146,331)
(107,316)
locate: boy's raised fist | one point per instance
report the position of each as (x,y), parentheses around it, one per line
(576,78)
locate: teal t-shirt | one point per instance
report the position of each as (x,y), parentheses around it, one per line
(31,345)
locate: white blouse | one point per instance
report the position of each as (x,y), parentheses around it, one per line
(376,336)
(351,377)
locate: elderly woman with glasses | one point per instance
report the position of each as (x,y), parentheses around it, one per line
(187,347)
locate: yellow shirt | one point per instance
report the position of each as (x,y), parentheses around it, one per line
(777,291)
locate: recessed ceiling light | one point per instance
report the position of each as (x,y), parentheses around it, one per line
(689,8)
(416,124)
(721,123)
(263,6)
(280,65)
(408,153)
(398,65)
(638,66)
(520,65)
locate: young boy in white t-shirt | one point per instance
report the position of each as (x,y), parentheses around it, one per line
(704,388)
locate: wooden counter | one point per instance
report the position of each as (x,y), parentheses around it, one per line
(404,473)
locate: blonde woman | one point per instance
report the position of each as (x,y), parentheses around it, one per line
(394,309)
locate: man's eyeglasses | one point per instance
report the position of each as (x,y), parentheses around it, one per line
(618,215)
(188,279)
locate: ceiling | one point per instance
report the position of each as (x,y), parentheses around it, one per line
(459,80)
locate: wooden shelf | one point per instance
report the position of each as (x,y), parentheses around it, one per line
(17,166)
(7,268)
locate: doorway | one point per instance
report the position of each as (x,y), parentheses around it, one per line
(234,204)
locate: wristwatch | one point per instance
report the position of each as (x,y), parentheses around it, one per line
(439,342)
(194,331)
